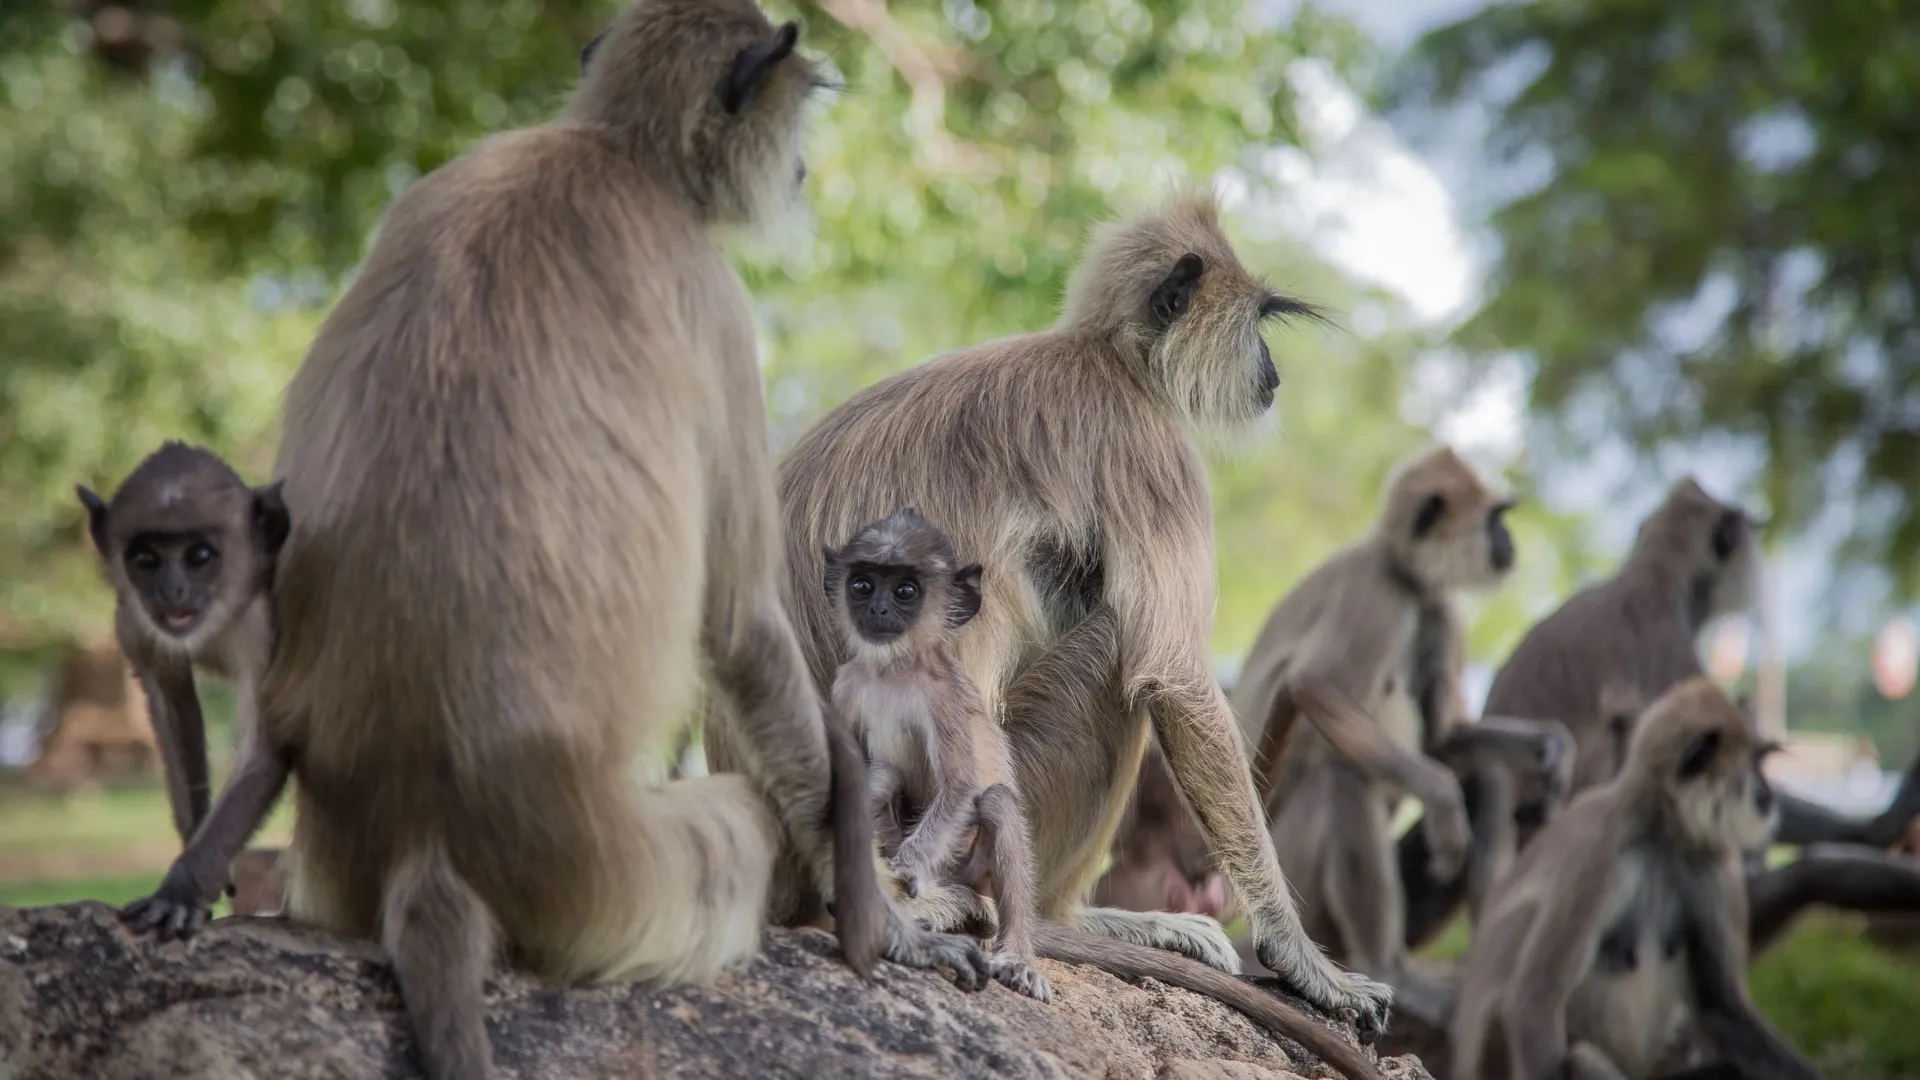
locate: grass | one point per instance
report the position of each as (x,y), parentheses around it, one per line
(1848,1003)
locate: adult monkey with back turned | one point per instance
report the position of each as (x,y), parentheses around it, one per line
(1619,644)
(535,505)
(1064,462)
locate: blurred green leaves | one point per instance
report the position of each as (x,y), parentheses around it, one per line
(1724,241)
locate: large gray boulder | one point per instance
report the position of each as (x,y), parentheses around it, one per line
(80,996)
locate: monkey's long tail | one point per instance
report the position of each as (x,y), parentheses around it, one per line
(1057,942)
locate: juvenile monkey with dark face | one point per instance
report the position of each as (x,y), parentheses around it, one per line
(190,551)
(1620,932)
(935,757)
(942,768)
(536,524)
(1065,461)
(1366,647)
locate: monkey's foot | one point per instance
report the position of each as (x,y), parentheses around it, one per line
(912,945)
(1021,977)
(1198,937)
(1304,969)
(174,911)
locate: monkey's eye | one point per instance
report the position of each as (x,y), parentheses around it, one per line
(200,555)
(860,586)
(143,559)
(905,591)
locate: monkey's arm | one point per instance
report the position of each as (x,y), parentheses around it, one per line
(195,879)
(1542,747)
(1727,1014)
(1568,896)
(935,839)
(173,705)
(1358,738)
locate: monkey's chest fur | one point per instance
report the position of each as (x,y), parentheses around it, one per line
(1634,999)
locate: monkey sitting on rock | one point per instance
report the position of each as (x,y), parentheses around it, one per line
(940,764)
(1619,933)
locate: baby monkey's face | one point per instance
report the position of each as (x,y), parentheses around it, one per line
(883,600)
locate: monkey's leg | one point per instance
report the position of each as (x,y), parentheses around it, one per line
(1432,901)
(173,707)
(1586,1061)
(1003,834)
(1361,892)
(196,878)
(1198,733)
(1849,878)
(441,938)
(799,752)
(883,789)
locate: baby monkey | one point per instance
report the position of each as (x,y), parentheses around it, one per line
(933,752)
(190,550)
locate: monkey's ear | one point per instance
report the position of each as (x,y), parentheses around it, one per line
(1726,534)
(1428,515)
(96,517)
(832,577)
(587,50)
(1700,754)
(754,64)
(964,604)
(271,522)
(1175,292)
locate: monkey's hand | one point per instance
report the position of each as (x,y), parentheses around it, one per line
(911,944)
(1555,763)
(176,910)
(1021,977)
(1449,834)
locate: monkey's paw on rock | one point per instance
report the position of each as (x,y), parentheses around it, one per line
(81,995)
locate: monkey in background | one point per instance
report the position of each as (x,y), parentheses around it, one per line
(1616,645)
(938,761)
(536,524)
(1619,933)
(929,744)
(190,550)
(1368,648)
(1065,461)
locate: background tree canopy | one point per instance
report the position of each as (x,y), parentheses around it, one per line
(1720,234)
(185,186)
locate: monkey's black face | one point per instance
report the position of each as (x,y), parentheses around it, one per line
(176,576)
(1269,378)
(1499,540)
(883,601)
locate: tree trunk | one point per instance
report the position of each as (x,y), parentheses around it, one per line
(100,727)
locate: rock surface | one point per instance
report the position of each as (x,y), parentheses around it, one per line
(257,998)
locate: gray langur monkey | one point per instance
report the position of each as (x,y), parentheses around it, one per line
(1618,935)
(934,756)
(1367,647)
(536,524)
(1066,462)
(1616,645)
(943,784)
(190,551)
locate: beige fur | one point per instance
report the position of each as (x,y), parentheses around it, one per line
(1064,462)
(1619,930)
(535,508)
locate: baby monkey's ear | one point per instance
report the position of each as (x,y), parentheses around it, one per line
(964,604)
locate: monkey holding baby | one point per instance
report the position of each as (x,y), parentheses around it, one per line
(944,792)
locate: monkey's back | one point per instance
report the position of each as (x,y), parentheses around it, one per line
(492,592)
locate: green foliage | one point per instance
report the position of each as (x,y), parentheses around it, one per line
(1753,161)
(170,234)
(1847,1003)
